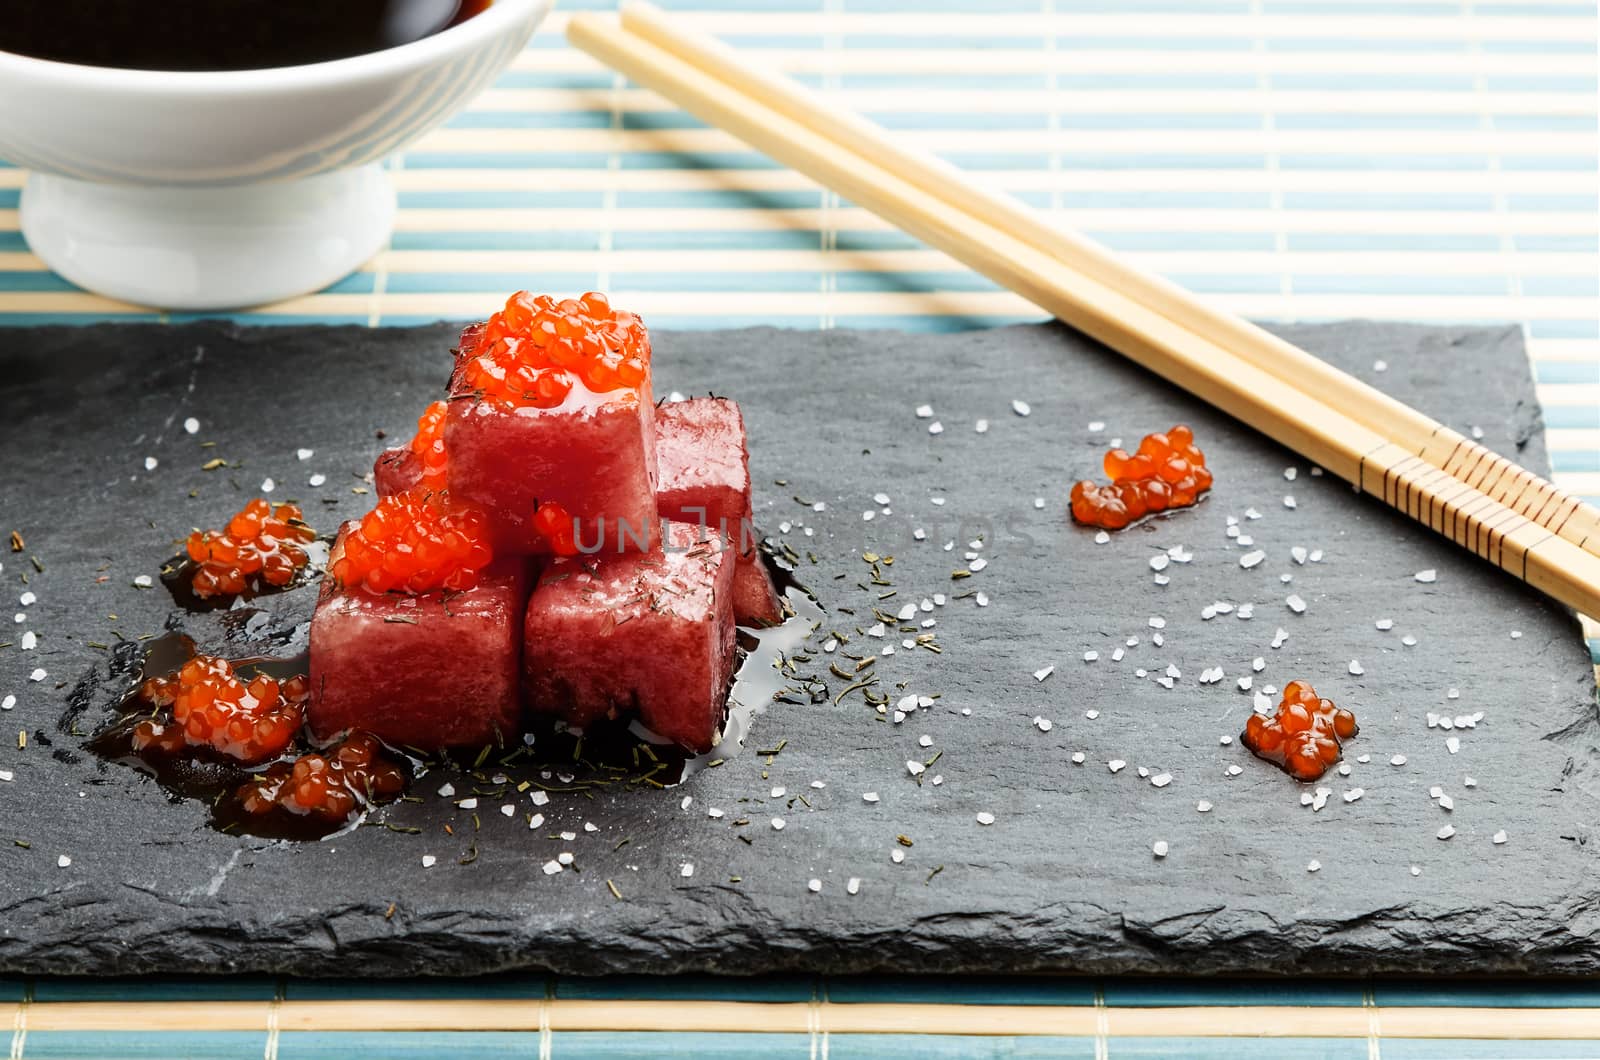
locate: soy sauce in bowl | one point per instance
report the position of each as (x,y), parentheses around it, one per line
(220,34)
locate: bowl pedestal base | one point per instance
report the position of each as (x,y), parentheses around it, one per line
(209,247)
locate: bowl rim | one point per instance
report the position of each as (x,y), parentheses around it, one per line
(464,37)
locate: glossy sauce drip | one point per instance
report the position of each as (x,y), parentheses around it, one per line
(220,34)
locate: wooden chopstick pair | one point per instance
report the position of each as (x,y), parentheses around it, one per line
(1482,501)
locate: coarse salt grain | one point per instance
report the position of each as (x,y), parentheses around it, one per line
(853,886)
(1159,848)
(1499,837)
(985,817)
(685,870)
(935,427)
(1428,576)
(191,426)
(924,412)
(869,796)
(1021,408)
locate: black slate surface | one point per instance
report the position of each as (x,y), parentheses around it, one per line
(1063,879)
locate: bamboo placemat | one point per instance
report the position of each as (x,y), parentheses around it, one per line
(1430,160)
(799,1017)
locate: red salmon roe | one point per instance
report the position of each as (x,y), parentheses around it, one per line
(330,785)
(1306,734)
(555,524)
(428,447)
(536,349)
(1167,471)
(413,542)
(260,540)
(212,706)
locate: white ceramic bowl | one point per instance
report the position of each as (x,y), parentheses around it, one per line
(215,190)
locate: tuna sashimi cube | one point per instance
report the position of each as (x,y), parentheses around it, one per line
(592,454)
(396,470)
(703,477)
(428,671)
(755,601)
(650,631)
(703,467)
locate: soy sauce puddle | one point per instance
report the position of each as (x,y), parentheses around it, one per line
(203,775)
(551,756)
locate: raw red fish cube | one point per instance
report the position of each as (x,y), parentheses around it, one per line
(703,477)
(647,631)
(429,671)
(703,467)
(396,470)
(755,601)
(592,454)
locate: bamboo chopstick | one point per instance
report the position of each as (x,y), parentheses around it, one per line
(1502,513)
(1411,430)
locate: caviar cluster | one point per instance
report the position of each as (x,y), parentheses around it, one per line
(428,448)
(212,706)
(330,785)
(1168,471)
(414,542)
(1304,736)
(536,349)
(555,524)
(261,540)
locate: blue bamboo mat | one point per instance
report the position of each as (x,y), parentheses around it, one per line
(1430,160)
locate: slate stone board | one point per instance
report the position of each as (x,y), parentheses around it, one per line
(1063,879)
